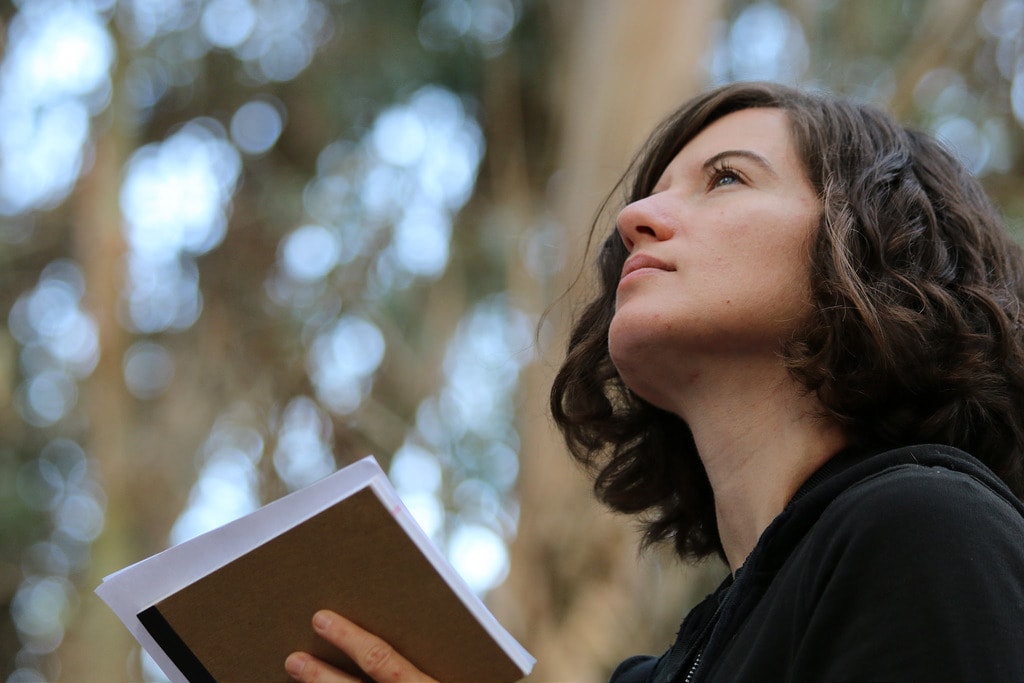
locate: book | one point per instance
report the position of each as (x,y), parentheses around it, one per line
(233,603)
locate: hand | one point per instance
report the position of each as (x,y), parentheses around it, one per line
(375,657)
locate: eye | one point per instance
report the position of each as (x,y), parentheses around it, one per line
(722,175)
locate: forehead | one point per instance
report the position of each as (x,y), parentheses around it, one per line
(765,131)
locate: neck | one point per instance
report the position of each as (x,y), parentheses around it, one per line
(760,436)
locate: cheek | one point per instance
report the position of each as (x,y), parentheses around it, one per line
(782,262)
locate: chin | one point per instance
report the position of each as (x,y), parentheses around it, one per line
(640,378)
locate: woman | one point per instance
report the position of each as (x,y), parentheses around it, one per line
(808,318)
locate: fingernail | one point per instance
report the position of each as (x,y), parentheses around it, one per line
(295,663)
(321,620)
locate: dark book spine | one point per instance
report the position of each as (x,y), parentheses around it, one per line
(174,646)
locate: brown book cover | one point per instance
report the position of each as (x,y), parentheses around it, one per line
(355,556)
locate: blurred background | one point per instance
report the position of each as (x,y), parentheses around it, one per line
(245,242)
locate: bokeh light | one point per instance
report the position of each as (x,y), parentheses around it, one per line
(310,252)
(765,42)
(303,453)
(148,369)
(256,125)
(342,362)
(228,23)
(55,73)
(176,194)
(60,343)
(227,485)
(479,555)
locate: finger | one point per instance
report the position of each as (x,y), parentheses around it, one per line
(375,657)
(305,668)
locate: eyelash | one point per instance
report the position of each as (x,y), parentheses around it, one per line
(722,170)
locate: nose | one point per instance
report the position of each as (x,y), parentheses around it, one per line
(642,220)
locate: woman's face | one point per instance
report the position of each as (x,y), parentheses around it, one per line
(719,261)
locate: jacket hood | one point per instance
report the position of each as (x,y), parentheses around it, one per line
(850,467)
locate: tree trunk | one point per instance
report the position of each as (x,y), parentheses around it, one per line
(578,595)
(97,647)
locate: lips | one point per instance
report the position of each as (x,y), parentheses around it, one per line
(641,262)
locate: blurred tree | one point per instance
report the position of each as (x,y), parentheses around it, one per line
(245,241)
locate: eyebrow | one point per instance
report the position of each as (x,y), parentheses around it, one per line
(743,153)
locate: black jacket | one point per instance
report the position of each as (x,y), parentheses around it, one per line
(904,565)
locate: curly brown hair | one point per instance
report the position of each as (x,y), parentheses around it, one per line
(916,334)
